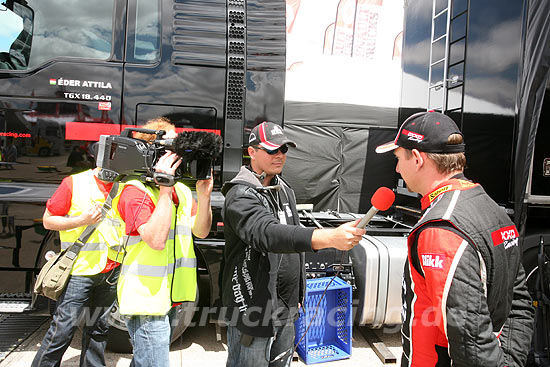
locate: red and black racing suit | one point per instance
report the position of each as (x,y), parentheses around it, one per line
(465,299)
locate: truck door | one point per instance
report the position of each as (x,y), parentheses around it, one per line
(176,63)
(60,67)
(60,87)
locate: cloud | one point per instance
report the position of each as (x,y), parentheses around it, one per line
(494,53)
(492,95)
(499,47)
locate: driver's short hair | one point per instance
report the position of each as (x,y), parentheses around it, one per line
(447,162)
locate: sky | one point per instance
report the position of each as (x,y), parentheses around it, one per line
(11,26)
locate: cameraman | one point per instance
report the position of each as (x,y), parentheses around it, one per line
(160,265)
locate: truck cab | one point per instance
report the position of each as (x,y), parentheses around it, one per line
(69,74)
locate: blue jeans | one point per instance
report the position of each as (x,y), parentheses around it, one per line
(90,297)
(150,336)
(275,351)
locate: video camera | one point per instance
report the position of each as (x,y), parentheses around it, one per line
(122,155)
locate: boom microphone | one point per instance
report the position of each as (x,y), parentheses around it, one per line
(381,200)
(195,145)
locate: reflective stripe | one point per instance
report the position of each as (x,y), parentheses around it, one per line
(90,246)
(112,221)
(133,240)
(184,262)
(130,240)
(155,270)
(144,270)
(182,229)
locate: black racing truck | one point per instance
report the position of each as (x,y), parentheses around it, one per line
(70,72)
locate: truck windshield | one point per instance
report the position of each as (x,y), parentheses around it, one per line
(36,31)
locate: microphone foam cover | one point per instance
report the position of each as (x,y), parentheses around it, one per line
(383,198)
(198,145)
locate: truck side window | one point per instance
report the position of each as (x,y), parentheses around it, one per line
(146,41)
(12,25)
(16,36)
(54,29)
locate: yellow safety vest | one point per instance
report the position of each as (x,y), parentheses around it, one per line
(151,280)
(104,241)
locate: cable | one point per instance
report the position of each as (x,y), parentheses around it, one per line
(315,313)
(125,244)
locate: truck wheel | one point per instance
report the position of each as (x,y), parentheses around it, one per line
(119,341)
(182,315)
(533,273)
(531,266)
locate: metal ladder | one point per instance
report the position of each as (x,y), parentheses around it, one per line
(453,61)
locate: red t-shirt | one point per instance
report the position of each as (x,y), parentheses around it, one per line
(60,203)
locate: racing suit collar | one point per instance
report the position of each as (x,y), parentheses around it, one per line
(457,182)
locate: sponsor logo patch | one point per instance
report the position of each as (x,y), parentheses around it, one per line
(413,136)
(104,106)
(507,236)
(438,192)
(467,184)
(251,138)
(276,131)
(434,261)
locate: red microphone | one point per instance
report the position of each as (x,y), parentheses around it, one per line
(381,200)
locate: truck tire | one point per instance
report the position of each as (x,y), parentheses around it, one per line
(532,272)
(119,341)
(531,266)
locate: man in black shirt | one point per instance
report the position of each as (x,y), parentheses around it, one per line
(263,278)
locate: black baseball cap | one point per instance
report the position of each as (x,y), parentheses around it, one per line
(427,132)
(269,135)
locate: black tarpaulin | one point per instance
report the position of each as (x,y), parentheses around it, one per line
(340,113)
(334,165)
(533,78)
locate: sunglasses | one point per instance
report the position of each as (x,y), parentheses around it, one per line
(283,149)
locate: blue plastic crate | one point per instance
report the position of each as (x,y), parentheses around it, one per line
(329,336)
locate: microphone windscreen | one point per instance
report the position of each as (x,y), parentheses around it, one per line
(383,198)
(198,145)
